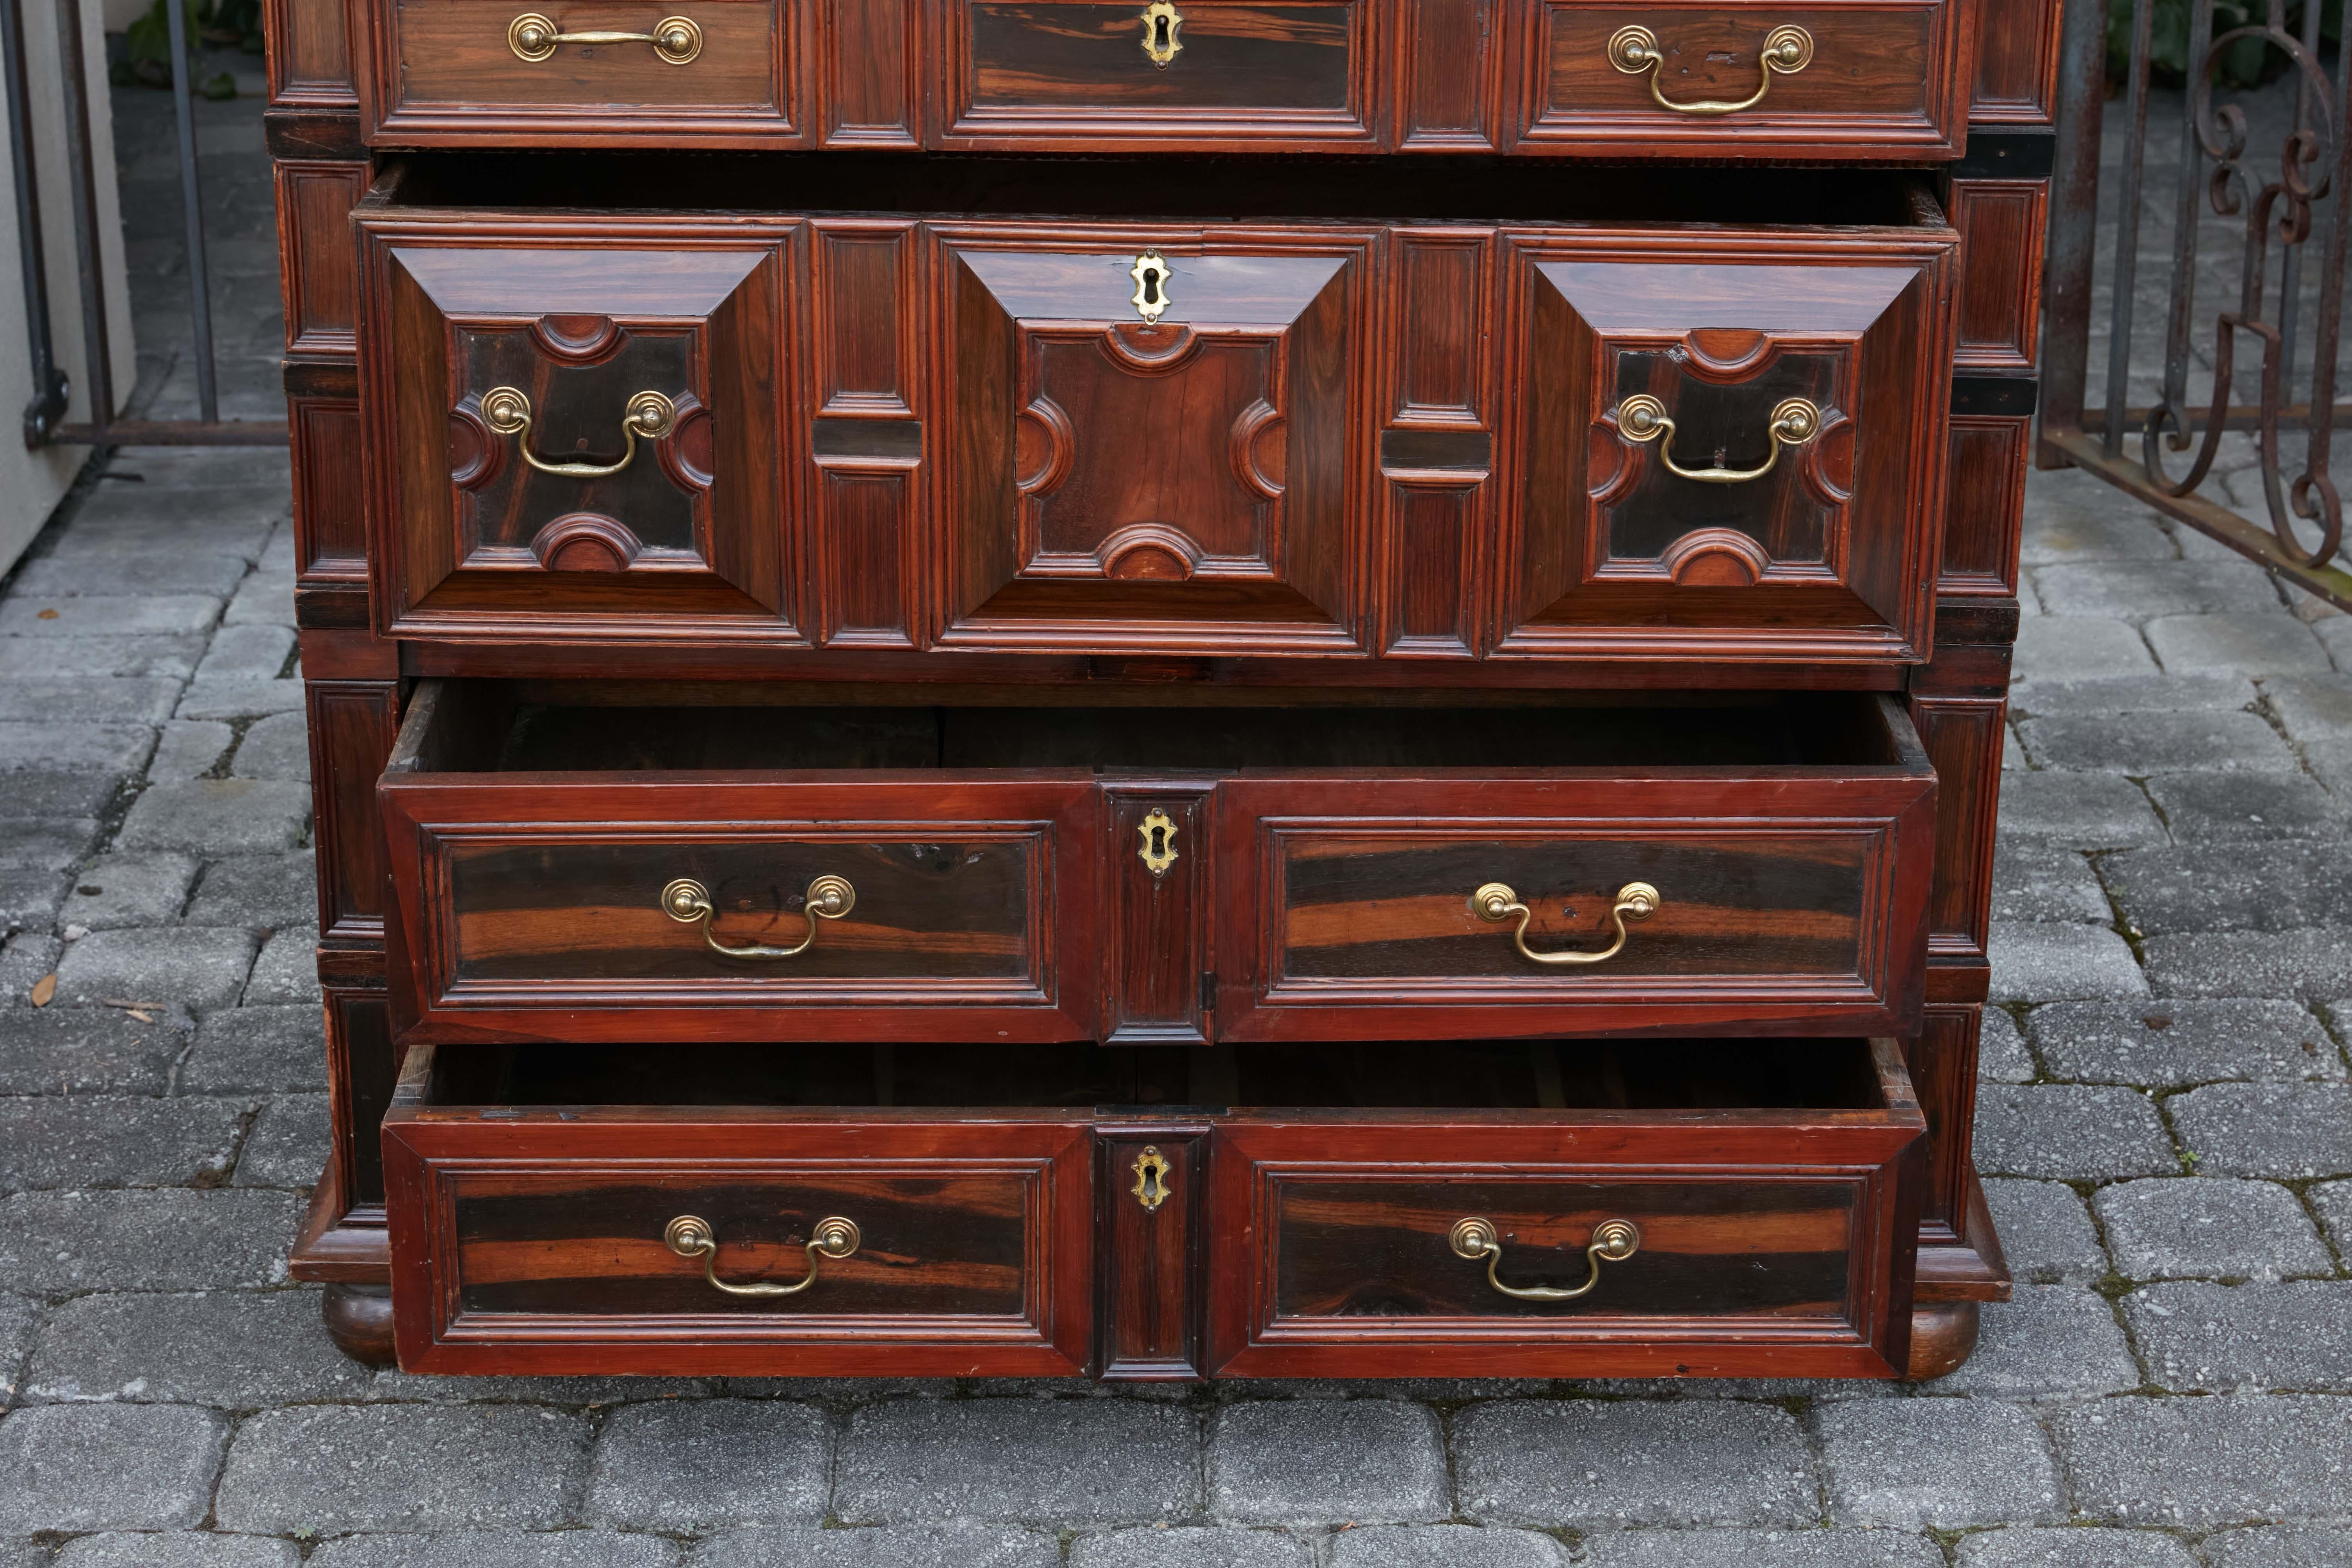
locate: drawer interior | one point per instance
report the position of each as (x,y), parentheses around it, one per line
(497,728)
(1485,190)
(1696,1076)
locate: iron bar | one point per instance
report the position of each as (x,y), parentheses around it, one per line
(2211,519)
(73,90)
(2238,417)
(50,390)
(174,433)
(192,203)
(2127,223)
(2291,264)
(2074,222)
(2181,323)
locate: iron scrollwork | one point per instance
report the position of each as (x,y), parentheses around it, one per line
(2312,162)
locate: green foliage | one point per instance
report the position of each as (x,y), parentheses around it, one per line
(2249,62)
(147,42)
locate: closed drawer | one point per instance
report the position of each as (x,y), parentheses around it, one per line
(1676,1212)
(890,435)
(1710,80)
(540,1224)
(1750,78)
(577,436)
(874,897)
(581,73)
(1725,446)
(1151,433)
(1200,74)
(1746,895)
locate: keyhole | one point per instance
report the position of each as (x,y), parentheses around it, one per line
(1151,1184)
(1159,32)
(1151,275)
(1158,842)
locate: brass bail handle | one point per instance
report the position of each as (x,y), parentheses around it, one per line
(1795,421)
(534,37)
(1613,1240)
(691,1236)
(1496,901)
(506,412)
(687,902)
(1787,50)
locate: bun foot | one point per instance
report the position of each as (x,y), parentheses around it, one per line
(359,1319)
(1942,1335)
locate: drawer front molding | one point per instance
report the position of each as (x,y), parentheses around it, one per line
(867,436)
(1698,79)
(1781,1239)
(528,1241)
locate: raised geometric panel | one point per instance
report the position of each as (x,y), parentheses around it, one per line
(1137,468)
(1723,449)
(582,441)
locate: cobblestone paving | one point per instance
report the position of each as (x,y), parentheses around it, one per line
(2166,1127)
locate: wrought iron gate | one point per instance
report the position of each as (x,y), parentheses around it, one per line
(45,422)
(2278,322)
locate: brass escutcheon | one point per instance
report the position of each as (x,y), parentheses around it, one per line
(1152,1184)
(1150,275)
(1158,831)
(1612,1240)
(1787,50)
(1794,422)
(507,411)
(1496,901)
(677,39)
(1161,23)
(691,1236)
(687,901)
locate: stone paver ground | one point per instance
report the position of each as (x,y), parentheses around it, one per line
(2166,1128)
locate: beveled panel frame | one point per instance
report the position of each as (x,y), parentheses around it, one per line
(726,287)
(1883,296)
(1003,296)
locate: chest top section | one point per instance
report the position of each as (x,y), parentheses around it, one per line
(1704,79)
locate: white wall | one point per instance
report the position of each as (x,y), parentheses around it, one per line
(32,481)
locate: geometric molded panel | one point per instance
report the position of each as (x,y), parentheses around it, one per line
(576,438)
(1181,478)
(1725,447)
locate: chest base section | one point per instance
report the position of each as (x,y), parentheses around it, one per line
(1665,1208)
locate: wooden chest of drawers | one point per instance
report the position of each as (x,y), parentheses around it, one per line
(1354,735)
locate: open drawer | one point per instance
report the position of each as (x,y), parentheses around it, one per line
(594,873)
(576,1210)
(572,862)
(1749,868)
(1675,1208)
(1157,1213)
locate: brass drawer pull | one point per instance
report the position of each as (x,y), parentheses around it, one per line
(1161,23)
(691,1237)
(1787,50)
(1496,901)
(1614,1239)
(650,414)
(687,901)
(1795,422)
(533,37)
